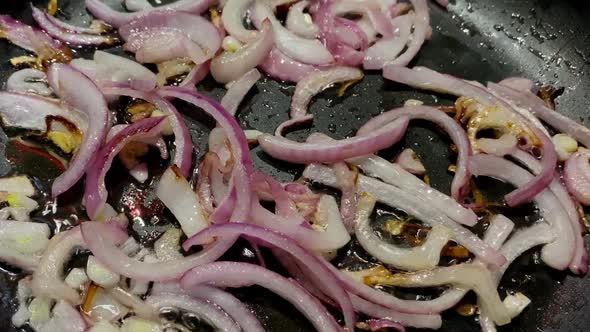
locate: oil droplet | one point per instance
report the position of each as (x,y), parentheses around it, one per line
(332,128)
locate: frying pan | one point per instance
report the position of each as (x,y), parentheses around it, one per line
(485,40)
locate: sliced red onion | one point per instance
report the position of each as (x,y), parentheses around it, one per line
(71,38)
(232,18)
(387,49)
(174,190)
(157,142)
(309,51)
(29,81)
(96,27)
(426,321)
(238,90)
(283,68)
(101,10)
(239,145)
(408,160)
(48,278)
(518,83)
(425,78)
(95,194)
(98,236)
(351,36)
(399,199)
(229,303)
(322,276)
(82,95)
(577,182)
(327,21)
(348,201)
(126,298)
(284,205)
(460,183)
(529,101)
(500,147)
(333,236)
(108,68)
(165,35)
(32,112)
(298,22)
(284,126)
(204,310)
(499,230)
(34,40)
(557,254)
(395,175)
(431,80)
(196,75)
(472,276)
(518,244)
(424,257)
(315,82)
(233,274)
(137,5)
(230,66)
(380,324)
(285,149)
(182,138)
(421,27)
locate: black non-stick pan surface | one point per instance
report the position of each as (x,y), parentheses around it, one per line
(545,40)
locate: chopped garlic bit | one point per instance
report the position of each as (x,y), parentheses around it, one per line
(516,303)
(231,44)
(17,184)
(413,102)
(565,146)
(40,308)
(76,278)
(134,324)
(100,274)
(23,293)
(20,200)
(395,226)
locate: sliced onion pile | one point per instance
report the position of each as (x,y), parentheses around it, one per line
(224,197)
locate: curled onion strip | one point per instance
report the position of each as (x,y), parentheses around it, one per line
(425,78)
(322,276)
(230,66)
(397,198)
(202,309)
(285,149)
(238,90)
(243,168)
(558,254)
(283,68)
(101,10)
(579,264)
(233,274)
(460,183)
(71,38)
(315,82)
(97,237)
(182,139)
(82,95)
(423,257)
(95,195)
